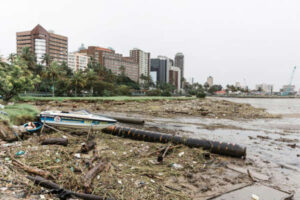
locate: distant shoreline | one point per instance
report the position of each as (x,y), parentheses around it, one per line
(259,97)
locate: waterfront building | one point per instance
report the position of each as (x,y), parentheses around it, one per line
(291,88)
(143,60)
(179,62)
(210,81)
(266,88)
(238,85)
(113,61)
(160,70)
(96,53)
(41,42)
(175,77)
(78,61)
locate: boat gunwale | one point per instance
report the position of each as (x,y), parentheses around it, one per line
(84,118)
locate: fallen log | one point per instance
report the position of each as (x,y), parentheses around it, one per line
(90,175)
(61,192)
(86,147)
(32,170)
(128,120)
(57,141)
(221,148)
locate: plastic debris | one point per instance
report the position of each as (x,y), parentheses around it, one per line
(19,153)
(176,166)
(181,154)
(3,113)
(77,155)
(2,106)
(254,197)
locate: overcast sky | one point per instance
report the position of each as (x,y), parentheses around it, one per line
(253,41)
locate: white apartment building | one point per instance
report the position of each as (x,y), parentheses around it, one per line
(210,81)
(143,60)
(77,61)
(267,88)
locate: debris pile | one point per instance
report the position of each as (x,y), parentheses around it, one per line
(110,167)
(209,108)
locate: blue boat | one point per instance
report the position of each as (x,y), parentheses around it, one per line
(75,120)
(33,126)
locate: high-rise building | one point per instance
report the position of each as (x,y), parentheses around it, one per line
(288,89)
(77,61)
(267,88)
(143,60)
(238,85)
(210,81)
(41,42)
(159,70)
(175,77)
(179,62)
(96,53)
(113,61)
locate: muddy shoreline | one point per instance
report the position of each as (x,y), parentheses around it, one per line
(208,108)
(197,179)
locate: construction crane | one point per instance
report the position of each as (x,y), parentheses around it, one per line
(287,92)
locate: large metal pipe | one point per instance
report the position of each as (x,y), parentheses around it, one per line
(126,119)
(221,148)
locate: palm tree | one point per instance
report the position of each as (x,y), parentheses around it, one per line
(91,78)
(122,69)
(78,81)
(53,73)
(29,57)
(47,59)
(12,58)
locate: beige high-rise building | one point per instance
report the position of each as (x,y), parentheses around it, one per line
(78,61)
(41,42)
(210,81)
(143,60)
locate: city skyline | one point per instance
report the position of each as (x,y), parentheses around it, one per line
(231,46)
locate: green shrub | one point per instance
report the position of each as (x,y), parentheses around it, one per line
(107,93)
(201,95)
(155,92)
(166,93)
(123,90)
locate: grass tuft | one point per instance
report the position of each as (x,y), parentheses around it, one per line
(19,114)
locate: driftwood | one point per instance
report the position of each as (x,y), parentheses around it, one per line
(90,162)
(90,175)
(163,154)
(58,141)
(61,192)
(32,170)
(86,147)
